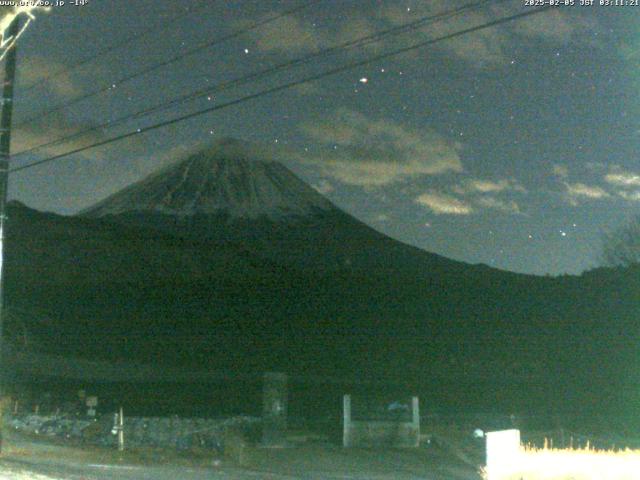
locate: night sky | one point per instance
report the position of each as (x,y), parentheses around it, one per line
(515,146)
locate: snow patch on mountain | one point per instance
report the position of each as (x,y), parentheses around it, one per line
(230,178)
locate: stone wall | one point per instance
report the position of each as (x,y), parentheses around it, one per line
(165,432)
(379,433)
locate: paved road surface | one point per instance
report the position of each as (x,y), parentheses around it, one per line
(25,471)
(25,459)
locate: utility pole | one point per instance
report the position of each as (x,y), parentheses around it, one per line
(5,156)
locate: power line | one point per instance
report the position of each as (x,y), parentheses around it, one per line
(257,75)
(112,48)
(164,63)
(285,86)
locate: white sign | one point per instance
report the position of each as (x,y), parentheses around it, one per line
(503,447)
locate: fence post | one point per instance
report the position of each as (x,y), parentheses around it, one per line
(346,422)
(121,431)
(274,409)
(415,410)
(118,428)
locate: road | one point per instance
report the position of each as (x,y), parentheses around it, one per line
(33,471)
(24,458)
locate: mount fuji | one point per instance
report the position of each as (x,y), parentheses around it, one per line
(234,192)
(230,179)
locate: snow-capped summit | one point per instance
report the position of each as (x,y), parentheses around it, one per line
(230,178)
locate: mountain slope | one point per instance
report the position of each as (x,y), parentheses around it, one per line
(119,292)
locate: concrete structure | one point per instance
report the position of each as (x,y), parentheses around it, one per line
(389,433)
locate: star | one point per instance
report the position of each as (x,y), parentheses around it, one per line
(364,80)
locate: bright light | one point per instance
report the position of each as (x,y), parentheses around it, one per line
(528,463)
(8,16)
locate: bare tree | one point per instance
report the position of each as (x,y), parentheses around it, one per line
(621,247)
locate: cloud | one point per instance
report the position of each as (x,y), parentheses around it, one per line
(445,203)
(560,171)
(480,47)
(356,28)
(481,194)
(623,179)
(630,196)
(494,45)
(292,34)
(440,204)
(288,34)
(40,68)
(486,47)
(483,48)
(375,152)
(576,191)
(475,185)
(498,204)
(627,183)
(94,160)
(57,126)
(554,26)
